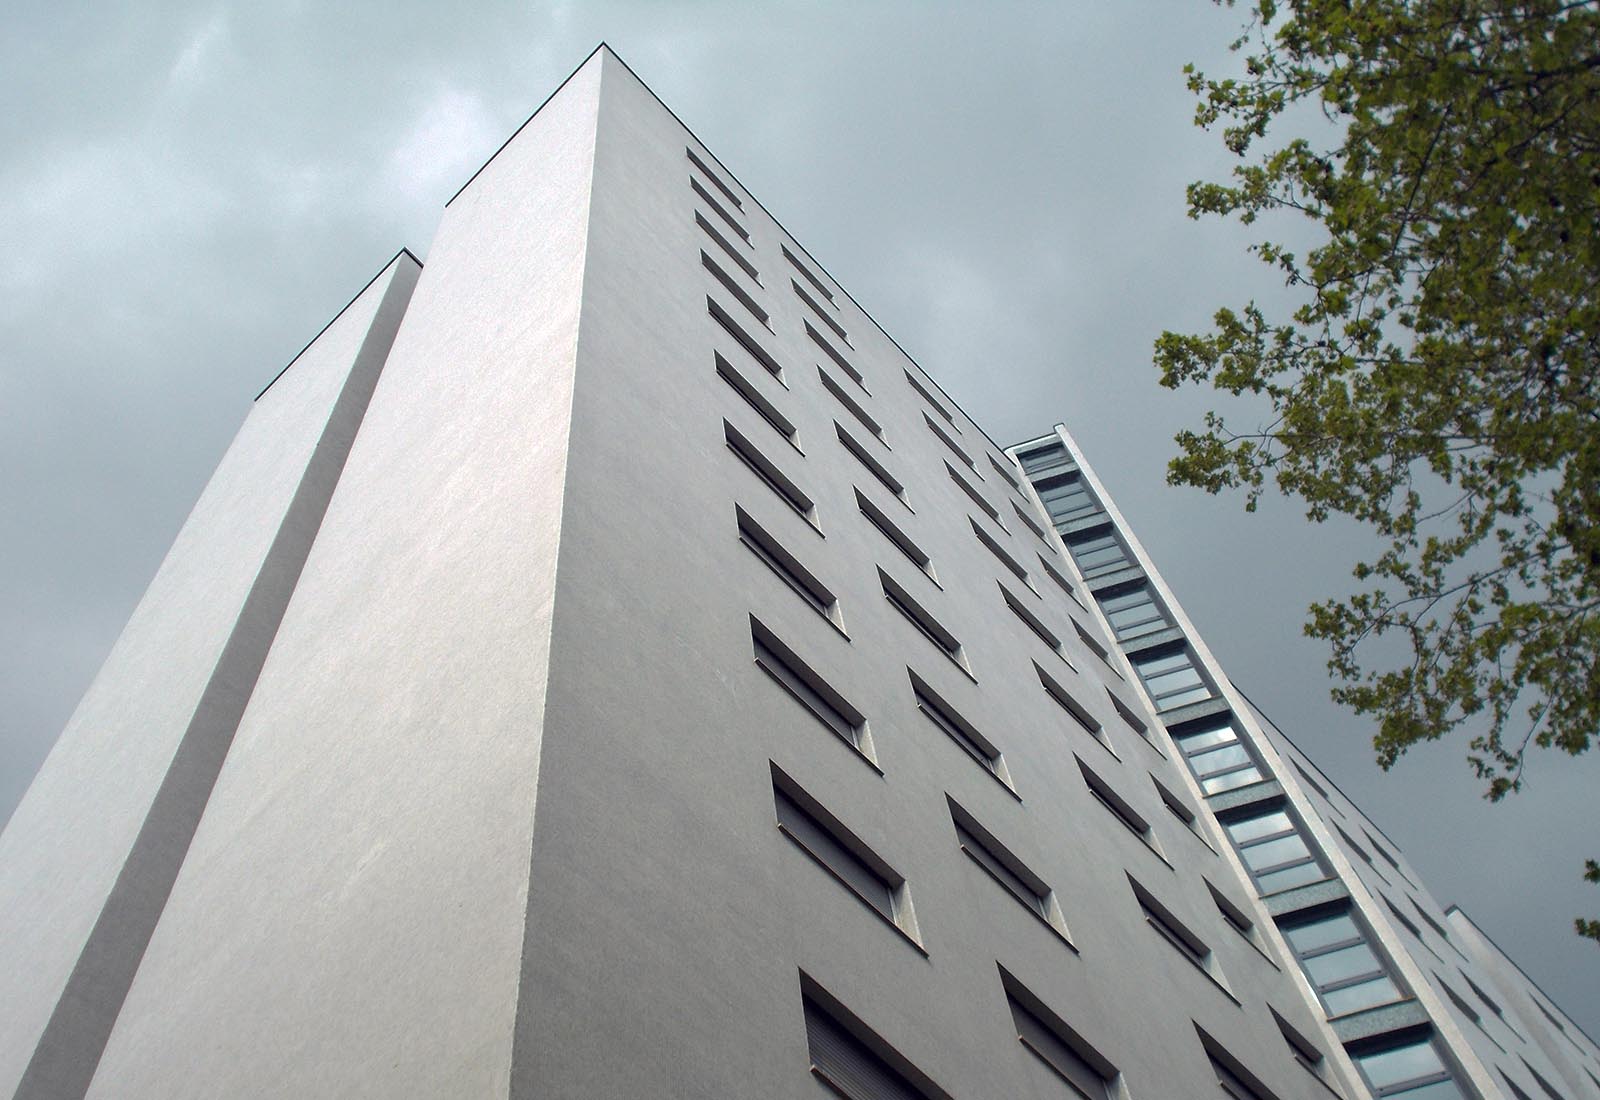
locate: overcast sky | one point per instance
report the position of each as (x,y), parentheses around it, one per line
(190,191)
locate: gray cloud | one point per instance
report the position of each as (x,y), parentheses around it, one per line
(191,190)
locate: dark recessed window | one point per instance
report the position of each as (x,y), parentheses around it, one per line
(1004,867)
(1085,1071)
(774,478)
(743,338)
(788,568)
(716,180)
(805,272)
(821,314)
(927,395)
(865,457)
(958,729)
(853,1061)
(754,398)
(838,360)
(719,210)
(851,404)
(841,853)
(727,282)
(810,690)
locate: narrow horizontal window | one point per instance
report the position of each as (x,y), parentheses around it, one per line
(1310,782)
(1002,866)
(958,729)
(1067,499)
(919,617)
(954,447)
(1172,678)
(927,395)
(743,338)
(1131,819)
(1013,566)
(902,541)
(805,273)
(1098,553)
(854,1061)
(1008,477)
(1274,851)
(727,247)
(774,478)
(1075,710)
(1133,612)
(716,180)
(753,397)
(1338,959)
(1216,756)
(1544,1086)
(719,210)
(1040,462)
(973,495)
(733,288)
(1410,1069)
(838,360)
(821,314)
(772,554)
(1174,931)
(1031,621)
(850,403)
(1061,582)
(1047,1036)
(874,467)
(839,851)
(809,690)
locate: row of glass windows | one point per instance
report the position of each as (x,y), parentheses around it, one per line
(1217,757)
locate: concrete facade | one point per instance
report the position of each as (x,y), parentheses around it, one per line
(662,689)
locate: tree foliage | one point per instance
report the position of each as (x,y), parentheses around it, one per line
(1439,379)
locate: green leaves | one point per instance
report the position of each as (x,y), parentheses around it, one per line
(1439,378)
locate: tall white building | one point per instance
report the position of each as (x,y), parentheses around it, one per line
(605,665)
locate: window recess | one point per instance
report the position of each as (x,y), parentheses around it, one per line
(954,448)
(805,273)
(1006,476)
(927,395)
(754,398)
(774,478)
(838,360)
(1047,1036)
(1131,819)
(1230,1074)
(719,210)
(821,314)
(1061,582)
(1012,565)
(743,338)
(727,282)
(1094,646)
(874,467)
(958,729)
(1075,710)
(841,853)
(856,410)
(788,569)
(1176,933)
(1032,621)
(975,496)
(1412,1069)
(810,690)
(901,541)
(1027,521)
(854,1061)
(728,248)
(716,180)
(1005,868)
(919,617)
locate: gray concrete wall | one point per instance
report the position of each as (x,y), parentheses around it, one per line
(86,862)
(668,918)
(349,922)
